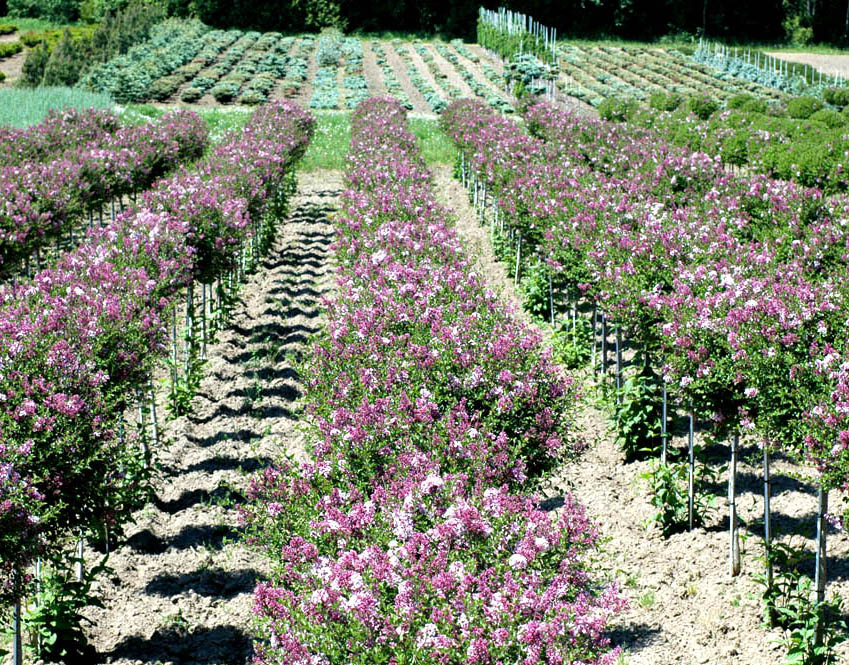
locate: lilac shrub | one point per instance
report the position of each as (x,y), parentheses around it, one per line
(42,198)
(412,535)
(78,340)
(730,284)
(60,130)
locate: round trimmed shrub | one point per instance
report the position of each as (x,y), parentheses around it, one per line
(191,94)
(755,105)
(830,118)
(739,101)
(665,101)
(802,108)
(702,106)
(616,109)
(836,96)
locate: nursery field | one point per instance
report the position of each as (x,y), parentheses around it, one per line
(337,350)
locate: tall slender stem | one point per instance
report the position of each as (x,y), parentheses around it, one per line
(768,529)
(663,443)
(603,345)
(618,365)
(550,298)
(822,525)
(17,642)
(518,258)
(691,476)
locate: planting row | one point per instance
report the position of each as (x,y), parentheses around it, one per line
(78,342)
(729,284)
(43,198)
(732,290)
(597,73)
(130,77)
(337,56)
(412,534)
(60,130)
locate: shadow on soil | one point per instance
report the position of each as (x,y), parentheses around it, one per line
(181,643)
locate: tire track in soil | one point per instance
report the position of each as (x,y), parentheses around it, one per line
(182,588)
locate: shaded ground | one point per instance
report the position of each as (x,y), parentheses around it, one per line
(182,586)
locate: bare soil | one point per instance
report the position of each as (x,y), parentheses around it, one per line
(399,68)
(182,586)
(685,608)
(12,67)
(372,72)
(827,64)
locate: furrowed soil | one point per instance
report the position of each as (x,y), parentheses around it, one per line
(181,590)
(685,608)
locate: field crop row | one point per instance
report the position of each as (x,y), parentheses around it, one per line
(67,179)
(78,342)
(593,74)
(412,532)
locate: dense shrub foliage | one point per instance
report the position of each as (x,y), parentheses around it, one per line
(730,284)
(78,339)
(410,536)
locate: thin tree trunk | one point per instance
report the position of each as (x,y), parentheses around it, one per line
(17,642)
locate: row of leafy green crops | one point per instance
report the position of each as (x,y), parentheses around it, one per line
(185,58)
(596,73)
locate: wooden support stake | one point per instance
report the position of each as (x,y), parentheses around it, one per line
(768,527)
(663,443)
(618,365)
(822,525)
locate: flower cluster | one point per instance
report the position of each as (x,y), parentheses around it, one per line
(77,340)
(80,164)
(411,534)
(60,130)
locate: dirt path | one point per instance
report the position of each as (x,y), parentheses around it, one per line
(685,609)
(827,64)
(372,72)
(399,68)
(12,68)
(182,587)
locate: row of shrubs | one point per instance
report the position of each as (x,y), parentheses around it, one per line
(803,139)
(130,77)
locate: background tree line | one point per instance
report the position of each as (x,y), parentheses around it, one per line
(798,21)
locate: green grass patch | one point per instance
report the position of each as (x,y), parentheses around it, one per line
(220,120)
(436,147)
(20,107)
(24,24)
(329,143)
